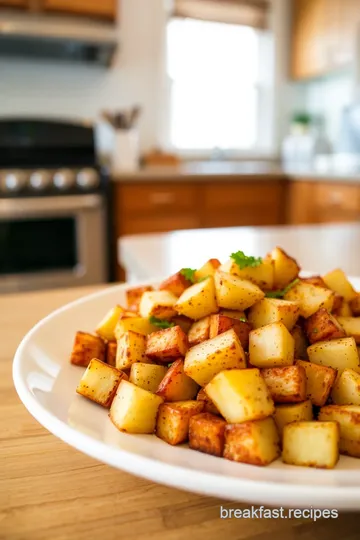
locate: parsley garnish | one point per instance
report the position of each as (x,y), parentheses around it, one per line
(242,319)
(281,292)
(244,261)
(203,279)
(161,323)
(189,274)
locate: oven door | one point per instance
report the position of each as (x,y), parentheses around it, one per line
(52,242)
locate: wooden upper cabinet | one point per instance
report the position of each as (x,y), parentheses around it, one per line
(96,8)
(15,3)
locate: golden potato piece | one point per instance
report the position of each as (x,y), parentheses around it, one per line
(351,327)
(184,322)
(166,345)
(319,381)
(254,442)
(176,284)
(338,353)
(176,385)
(338,282)
(338,305)
(130,349)
(85,348)
(240,395)
(159,304)
(133,296)
(147,376)
(343,311)
(355,305)
(221,323)
(311,444)
(310,298)
(207,434)
(208,269)
(286,268)
(106,327)
(348,418)
(140,325)
(271,346)
(346,390)
(173,420)
(315,280)
(294,412)
(286,384)
(208,404)
(322,326)
(300,342)
(272,310)
(204,361)
(233,314)
(235,293)
(261,275)
(199,331)
(111,353)
(99,382)
(198,301)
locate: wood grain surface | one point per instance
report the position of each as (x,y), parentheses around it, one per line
(50,491)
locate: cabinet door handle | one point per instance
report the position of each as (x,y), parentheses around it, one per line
(162,198)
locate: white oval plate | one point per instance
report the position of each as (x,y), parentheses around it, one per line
(46,382)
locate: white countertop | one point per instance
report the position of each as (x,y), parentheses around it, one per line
(318,248)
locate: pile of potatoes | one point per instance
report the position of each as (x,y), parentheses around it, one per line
(244,360)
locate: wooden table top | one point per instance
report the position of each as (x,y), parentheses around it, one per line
(50,491)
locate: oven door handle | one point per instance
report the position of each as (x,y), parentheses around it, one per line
(67,204)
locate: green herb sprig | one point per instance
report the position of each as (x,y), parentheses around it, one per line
(161,323)
(245,261)
(189,274)
(281,292)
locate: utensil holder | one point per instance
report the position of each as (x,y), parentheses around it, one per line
(125,156)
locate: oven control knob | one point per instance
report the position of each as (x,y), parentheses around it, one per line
(40,180)
(88,178)
(64,179)
(13,181)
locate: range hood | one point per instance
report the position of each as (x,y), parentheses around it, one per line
(54,37)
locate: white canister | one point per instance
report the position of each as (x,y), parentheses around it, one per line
(125,156)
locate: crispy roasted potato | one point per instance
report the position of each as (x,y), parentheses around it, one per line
(208,404)
(346,390)
(208,269)
(134,409)
(233,314)
(198,301)
(184,322)
(310,298)
(166,345)
(176,284)
(319,381)
(133,296)
(338,282)
(315,280)
(301,343)
(348,418)
(173,419)
(271,346)
(322,326)
(140,325)
(130,349)
(106,327)
(311,444)
(271,310)
(221,323)
(85,348)
(286,268)
(286,384)
(199,331)
(355,305)
(99,382)
(338,353)
(111,353)
(159,304)
(255,442)
(204,361)
(294,412)
(343,311)
(351,327)
(147,376)
(261,275)
(176,385)
(338,304)
(240,395)
(233,292)
(207,434)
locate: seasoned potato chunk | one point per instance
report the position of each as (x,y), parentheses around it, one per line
(130,349)
(85,348)
(286,268)
(147,376)
(337,305)
(254,442)
(208,269)
(337,353)
(233,314)
(315,280)
(199,331)
(286,384)
(184,322)
(134,409)
(262,275)
(294,412)
(301,343)
(159,304)
(133,296)
(140,325)
(271,346)
(240,395)
(204,361)
(208,404)
(106,327)
(310,298)
(271,310)
(221,323)
(338,282)
(172,424)
(233,292)
(176,284)
(111,353)
(346,390)
(351,326)
(311,444)
(166,345)
(321,326)
(355,305)
(348,418)
(319,381)
(99,382)
(176,385)
(343,311)
(207,434)
(198,301)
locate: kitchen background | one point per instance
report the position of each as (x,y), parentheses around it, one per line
(244,112)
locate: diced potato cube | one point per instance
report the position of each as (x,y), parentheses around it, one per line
(199,331)
(286,268)
(319,381)
(130,349)
(159,304)
(176,385)
(233,314)
(133,296)
(271,310)
(337,353)
(240,395)
(315,280)
(99,382)
(176,284)
(221,323)
(85,348)
(184,322)
(322,326)
(271,346)
(233,292)
(262,275)
(106,327)
(343,311)
(294,412)
(207,434)
(348,418)
(204,361)
(140,325)
(311,444)
(134,409)
(338,282)
(310,298)
(254,442)
(198,301)
(208,404)
(338,305)
(111,353)
(208,269)
(355,305)
(173,420)
(166,345)
(346,390)
(301,343)
(351,326)
(147,376)
(286,384)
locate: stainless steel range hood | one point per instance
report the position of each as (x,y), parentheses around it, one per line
(55,37)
